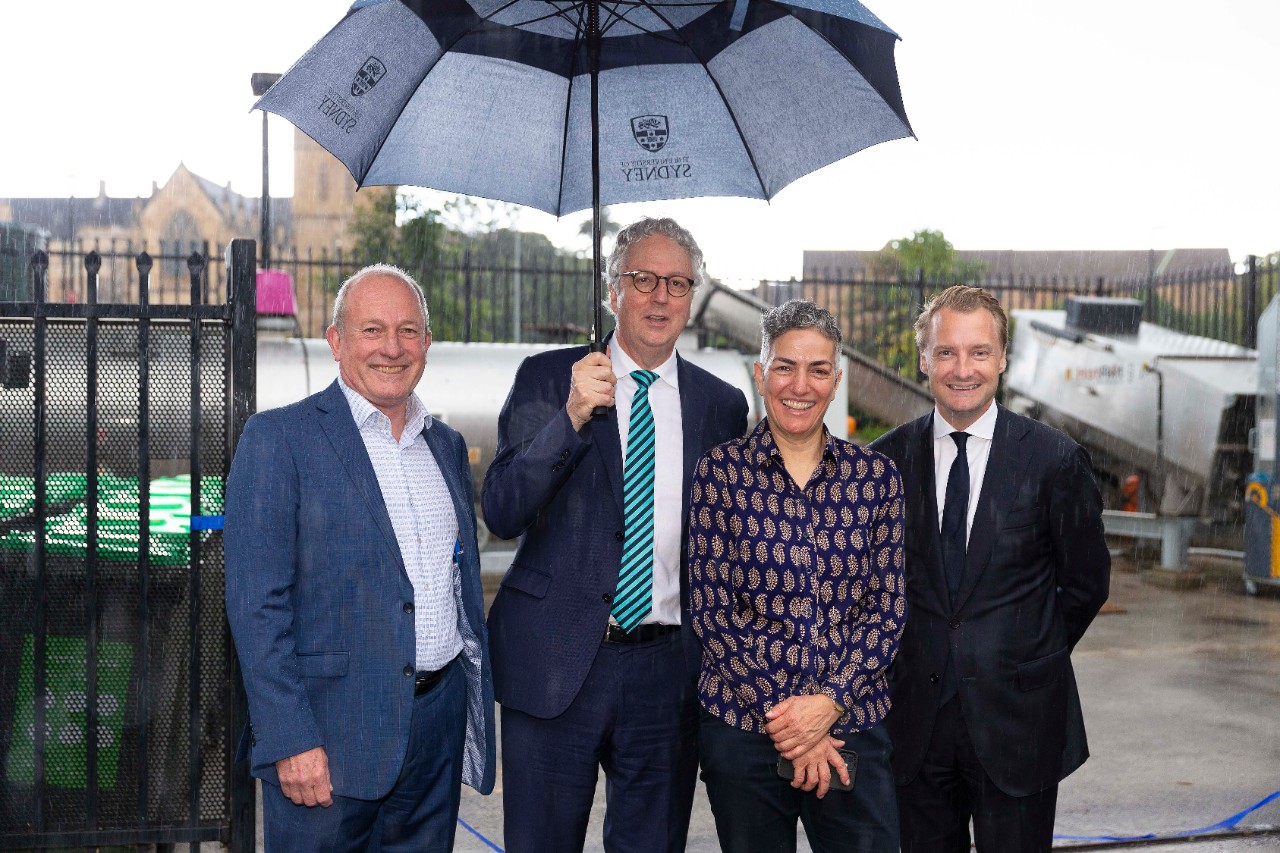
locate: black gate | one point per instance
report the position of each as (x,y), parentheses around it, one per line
(118,705)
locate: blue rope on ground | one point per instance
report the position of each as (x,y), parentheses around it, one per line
(1228,823)
(469,828)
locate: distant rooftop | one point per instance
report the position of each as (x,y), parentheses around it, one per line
(1066,264)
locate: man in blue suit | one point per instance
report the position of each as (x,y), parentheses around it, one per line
(353,593)
(595,663)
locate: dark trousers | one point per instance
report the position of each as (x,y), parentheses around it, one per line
(757,810)
(420,813)
(952,788)
(636,717)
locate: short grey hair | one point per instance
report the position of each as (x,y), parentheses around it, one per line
(340,301)
(651,227)
(796,314)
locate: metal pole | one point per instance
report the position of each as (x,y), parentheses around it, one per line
(261,83)
(265,218)
(593,61)
(515,293)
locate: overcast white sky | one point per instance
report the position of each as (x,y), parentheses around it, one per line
(1097,124)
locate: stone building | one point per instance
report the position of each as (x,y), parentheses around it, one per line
(189,211)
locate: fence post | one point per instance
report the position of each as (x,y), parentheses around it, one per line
(1251,308)
(241,280)
(466,296)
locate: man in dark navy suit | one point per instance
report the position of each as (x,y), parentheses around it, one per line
(353,593)
(1006,568)
(595,664)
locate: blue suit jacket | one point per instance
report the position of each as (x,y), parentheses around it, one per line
(561,492)
(316,592)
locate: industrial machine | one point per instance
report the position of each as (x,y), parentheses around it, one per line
(1173,408)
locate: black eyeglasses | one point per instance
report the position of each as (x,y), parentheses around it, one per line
(646,282)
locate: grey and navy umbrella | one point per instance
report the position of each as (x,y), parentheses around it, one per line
(563,105)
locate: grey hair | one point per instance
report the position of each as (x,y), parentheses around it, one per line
(791,315)
(651,227)
(340,301)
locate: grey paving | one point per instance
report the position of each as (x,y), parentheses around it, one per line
(1181,693)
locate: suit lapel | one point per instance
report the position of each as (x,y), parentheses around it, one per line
(437,444)
(340,429)
(926,527)
(1006,466)
(604,435)
(693,423)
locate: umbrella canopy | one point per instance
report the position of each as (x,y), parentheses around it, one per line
(568,104)
(492,98)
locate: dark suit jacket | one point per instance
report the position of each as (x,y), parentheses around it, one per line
(561,492)
(316,592)
(1036,575)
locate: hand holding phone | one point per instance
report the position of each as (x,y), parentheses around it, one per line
(787,770)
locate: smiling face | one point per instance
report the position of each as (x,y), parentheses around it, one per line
(963,360)
(382,350)
(650,323)
(798,384)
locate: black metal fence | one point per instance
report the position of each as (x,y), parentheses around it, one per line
(1223,303)
(117,416)
(472,297)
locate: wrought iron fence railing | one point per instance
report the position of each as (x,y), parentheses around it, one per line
(876,314)
(474,297)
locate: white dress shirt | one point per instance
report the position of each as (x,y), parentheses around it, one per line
(668,475)
(977,449)
(426,527)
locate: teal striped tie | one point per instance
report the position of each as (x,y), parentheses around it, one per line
(634,597)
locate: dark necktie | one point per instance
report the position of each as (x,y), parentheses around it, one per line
(955,511)
(634,597)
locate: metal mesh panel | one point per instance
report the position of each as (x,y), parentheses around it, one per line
(115,702)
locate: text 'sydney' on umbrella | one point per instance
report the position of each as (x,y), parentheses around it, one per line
(568,105)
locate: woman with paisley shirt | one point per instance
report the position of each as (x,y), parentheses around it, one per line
(796,593)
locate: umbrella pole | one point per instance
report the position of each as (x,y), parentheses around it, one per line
(593,62)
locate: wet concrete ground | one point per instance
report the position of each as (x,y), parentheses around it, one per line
(1181,695)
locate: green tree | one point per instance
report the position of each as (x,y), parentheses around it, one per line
(928,252)
(900,265)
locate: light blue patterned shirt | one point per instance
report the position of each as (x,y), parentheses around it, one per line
(417,499)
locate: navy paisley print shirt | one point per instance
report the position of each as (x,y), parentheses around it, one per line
(795,591)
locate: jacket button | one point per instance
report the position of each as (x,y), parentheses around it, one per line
(617,534)
(934,678)
(564,455)
(408,670)
(955,623)
(607,598)
(408,607)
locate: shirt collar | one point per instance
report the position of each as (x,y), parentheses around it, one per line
(623,364)
(984,427)
(761,447)
(417,418)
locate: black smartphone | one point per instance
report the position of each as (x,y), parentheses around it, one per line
(788,771)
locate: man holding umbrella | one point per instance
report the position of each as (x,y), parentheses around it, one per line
(595,663)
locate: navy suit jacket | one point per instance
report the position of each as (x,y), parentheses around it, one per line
(316,592)
(561,492)
(1037,573)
